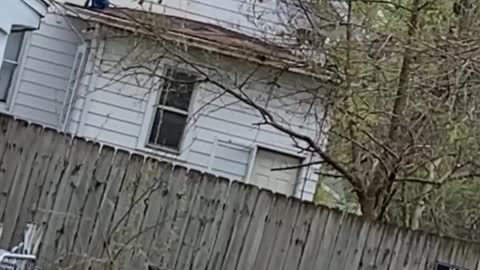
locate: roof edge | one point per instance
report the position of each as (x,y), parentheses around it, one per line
(39,6)
(290,64)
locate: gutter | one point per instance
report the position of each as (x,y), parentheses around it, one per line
(222,49)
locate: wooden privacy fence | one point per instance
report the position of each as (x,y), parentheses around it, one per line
(101,208)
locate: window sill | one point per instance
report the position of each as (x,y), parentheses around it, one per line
(163,149)
(162,153)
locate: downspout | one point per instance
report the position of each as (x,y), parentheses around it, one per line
(86,63)
(73,85)
(95,60)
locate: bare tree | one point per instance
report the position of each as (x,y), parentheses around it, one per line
(396,90)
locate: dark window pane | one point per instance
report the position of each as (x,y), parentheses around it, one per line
(178,91)
(14,44)
(167,129)
(6,76)
(442,267)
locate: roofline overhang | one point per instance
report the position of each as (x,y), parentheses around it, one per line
(39,6)
(289,64)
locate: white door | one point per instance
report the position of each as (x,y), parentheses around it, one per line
(281,181)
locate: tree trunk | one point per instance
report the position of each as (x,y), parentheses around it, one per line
(367,205)
(376,195)
(401,97)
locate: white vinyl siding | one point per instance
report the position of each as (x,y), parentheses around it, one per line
(220,156)
(46,69)
(224,129)
(221,136)
(112,111)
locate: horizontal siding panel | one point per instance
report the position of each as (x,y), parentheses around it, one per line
(198,158)
(232,153)
(201,146)
(225,112)
(227,9)
(226,106)
(44,79)
(51,56)
(127,88)
(193,13)
(109,136)
(207,94)
(284,141)
(238,124)
(207,134)
(228,127)
(53,43)
(244,131)
(117,48)
(35,115)
(142,82)
(229,167)
(228,158)
(282,103)
(59,33)
(41,91)
(39,103)
(48,68)
(212,105)
(113,124)
(61,21)
(116,112)
(120,100)
(308,130)
(295,118)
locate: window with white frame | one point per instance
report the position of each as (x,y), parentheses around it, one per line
(171,110)
(283,179)
(10,63)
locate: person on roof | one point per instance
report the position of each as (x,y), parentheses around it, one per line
(98,4)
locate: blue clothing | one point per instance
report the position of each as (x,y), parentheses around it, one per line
(99,4)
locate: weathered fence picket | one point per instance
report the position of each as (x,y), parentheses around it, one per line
(102,208)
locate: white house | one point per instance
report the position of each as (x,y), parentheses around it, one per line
(103,76)
(16,18)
